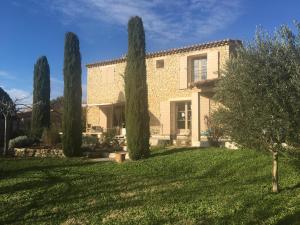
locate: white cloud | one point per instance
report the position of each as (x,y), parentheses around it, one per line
(21,95)
(189,19)
(6,75)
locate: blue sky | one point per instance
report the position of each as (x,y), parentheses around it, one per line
(31,28)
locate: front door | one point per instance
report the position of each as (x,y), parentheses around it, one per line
(183,117)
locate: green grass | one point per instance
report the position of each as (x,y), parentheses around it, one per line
(181,186)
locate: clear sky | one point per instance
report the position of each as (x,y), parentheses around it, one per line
(32,28)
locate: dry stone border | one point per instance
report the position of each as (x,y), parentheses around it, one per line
(38,152)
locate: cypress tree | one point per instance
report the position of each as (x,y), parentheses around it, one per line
(72,137)
(137,115)
(41,97)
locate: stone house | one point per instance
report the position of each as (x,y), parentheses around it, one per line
(180,87)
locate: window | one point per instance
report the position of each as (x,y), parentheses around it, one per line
(184,115)
(199,69)
(160,63)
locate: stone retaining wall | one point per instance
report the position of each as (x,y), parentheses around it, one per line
(38,152)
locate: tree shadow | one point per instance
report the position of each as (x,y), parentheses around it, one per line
(9,173)
(294,187)
(38,190)
(290,219)
(172,151)
(70,188)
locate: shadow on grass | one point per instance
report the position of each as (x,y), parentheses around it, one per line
(171,151)
(290,219)
(294,187)
(42,196)
(119,190)
(24,168)
(39,196)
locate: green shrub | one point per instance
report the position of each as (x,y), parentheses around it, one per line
(50,136)
(89,140)
(20,142)
(214,131)
(109,136)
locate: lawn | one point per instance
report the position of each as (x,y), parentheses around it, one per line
(180,186)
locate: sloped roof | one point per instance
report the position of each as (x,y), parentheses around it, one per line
(170,51)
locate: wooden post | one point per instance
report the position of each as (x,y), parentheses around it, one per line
(275,172)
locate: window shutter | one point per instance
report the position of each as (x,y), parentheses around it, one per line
(213,65)
(165,119)
(183,76)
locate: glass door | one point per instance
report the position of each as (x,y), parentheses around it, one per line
(183,117)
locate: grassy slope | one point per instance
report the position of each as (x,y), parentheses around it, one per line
(184,186)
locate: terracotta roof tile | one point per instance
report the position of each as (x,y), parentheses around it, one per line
(170,51)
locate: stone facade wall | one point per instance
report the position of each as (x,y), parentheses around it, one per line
(163,84)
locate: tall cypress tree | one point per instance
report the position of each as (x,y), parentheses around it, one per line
(41,97)
(136,92)
(72,137)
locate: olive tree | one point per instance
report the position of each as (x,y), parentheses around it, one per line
(260,94)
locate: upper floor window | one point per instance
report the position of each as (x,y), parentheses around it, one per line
(199,69)
(160,63)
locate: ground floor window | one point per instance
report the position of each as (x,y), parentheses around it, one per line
(183,116)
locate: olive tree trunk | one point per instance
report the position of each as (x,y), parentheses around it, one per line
(275,188)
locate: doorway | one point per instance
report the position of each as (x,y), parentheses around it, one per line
(183,117)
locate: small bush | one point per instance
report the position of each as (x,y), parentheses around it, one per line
(110,142)
(50,136)
(20,142)
(109,136)
(214,131)
(163,143)
(89,140)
